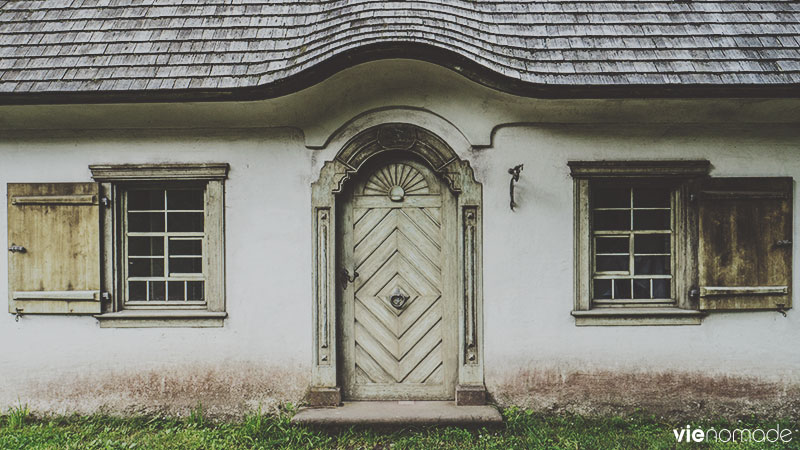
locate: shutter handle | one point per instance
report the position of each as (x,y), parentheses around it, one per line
(784,243)
(17,249)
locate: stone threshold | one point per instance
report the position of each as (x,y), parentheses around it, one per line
(399,413)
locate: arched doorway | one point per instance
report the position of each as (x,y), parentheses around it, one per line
(397,321)
(399,207)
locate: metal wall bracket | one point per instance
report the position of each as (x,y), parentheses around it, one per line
(514,171)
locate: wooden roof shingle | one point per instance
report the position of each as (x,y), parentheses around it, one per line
(118,46)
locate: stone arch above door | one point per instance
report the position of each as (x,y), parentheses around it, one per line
(421,144)
(394,137)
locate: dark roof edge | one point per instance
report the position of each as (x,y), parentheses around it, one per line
(404,50)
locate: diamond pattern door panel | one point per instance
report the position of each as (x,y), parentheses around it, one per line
(397,298)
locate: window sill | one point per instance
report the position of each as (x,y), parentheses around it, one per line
(162,319)
(637,317)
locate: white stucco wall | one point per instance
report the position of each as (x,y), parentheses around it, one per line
(275,149)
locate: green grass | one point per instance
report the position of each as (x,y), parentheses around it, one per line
(522,430)
(17,415)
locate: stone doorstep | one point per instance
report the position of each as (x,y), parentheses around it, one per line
(399,413)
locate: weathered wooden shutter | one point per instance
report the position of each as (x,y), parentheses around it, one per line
(745,243)
(54,248)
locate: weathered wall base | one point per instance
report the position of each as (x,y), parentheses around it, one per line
(223,391)
(236,389)
(670,395)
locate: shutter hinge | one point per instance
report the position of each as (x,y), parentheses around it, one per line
(105,201)
(17,249)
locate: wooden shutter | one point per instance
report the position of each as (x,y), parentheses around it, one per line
(745,243)
(54,232)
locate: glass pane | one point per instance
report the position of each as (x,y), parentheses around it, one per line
(157,290)
(187,247)
(185,199)
(651,198)
(146,267)
(611,245)
(185,221)
(185,265)
(651,243)
(612,198)
(612,263)
(176,289)
(602,289)
(641,288)
(612,220)
(137,290)
(651,265)
(661,288)
(194,290)
(145,200)
(622,288)
(145,222)
(146,246)
(651,220)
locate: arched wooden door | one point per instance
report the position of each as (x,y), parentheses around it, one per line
(398,335)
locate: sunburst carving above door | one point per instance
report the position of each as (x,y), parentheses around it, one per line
(396,181)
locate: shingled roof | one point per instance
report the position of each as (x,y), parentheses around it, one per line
(266,48)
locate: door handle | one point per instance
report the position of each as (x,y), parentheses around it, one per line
(346,278)
(398,300)
(17,249)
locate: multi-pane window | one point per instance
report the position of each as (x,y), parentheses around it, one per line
(163,246)
(633,245)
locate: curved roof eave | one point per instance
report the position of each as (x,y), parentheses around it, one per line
(415,51)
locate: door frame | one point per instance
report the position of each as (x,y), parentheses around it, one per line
(325,389)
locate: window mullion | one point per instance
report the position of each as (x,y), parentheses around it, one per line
(631,241)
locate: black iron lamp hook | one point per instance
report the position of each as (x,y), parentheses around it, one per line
(514,171)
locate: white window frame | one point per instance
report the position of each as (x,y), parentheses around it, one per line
(677,175)
(167,236)
(115,181)
(632,186)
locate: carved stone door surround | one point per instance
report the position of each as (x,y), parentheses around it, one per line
(396,138)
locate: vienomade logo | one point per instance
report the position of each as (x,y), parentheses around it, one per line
(689,434)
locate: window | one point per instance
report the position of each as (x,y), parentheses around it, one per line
(167,229)
(632,238)
(661,243)
(163,246)
(632,261)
